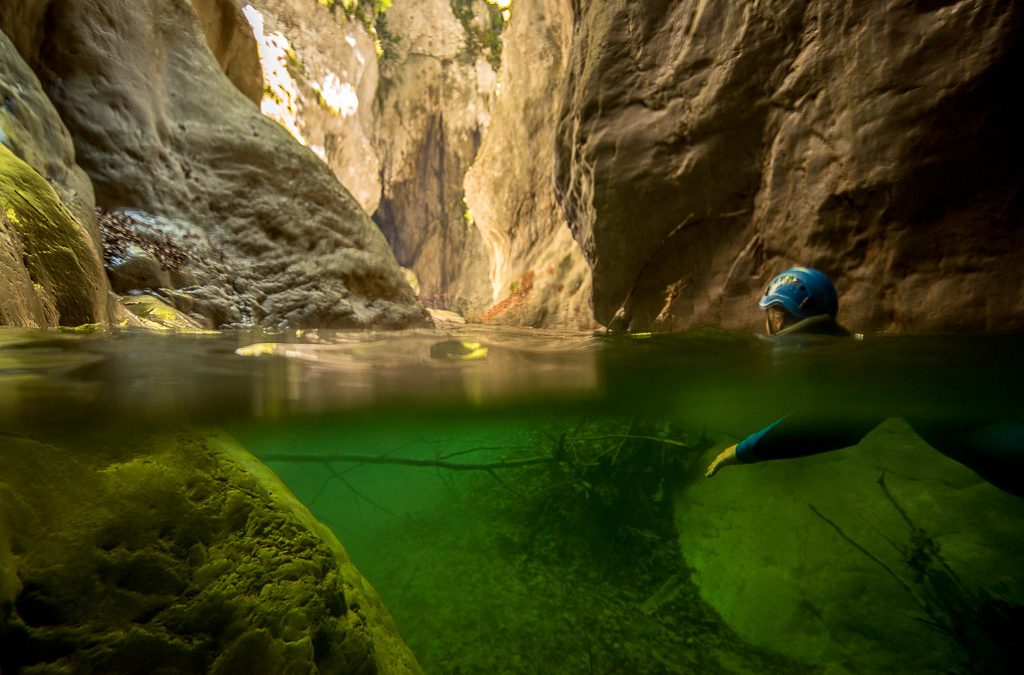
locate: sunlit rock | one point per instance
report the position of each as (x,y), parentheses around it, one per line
(538,276)
(704,147)
(320,74)
(437,90)
(232,41)
(139,552)
(160,128)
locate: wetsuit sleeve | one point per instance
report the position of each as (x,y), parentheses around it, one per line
(799,436)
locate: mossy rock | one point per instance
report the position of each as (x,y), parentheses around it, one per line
(174,552)
(48,266)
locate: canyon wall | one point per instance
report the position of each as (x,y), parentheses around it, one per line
(437,89)
(703,147)
(537,272)
(262,230)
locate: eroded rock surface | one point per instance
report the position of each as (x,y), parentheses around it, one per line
(538,274)
(161,130)
(704,147)
(135,553)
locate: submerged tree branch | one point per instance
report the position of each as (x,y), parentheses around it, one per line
(408,461)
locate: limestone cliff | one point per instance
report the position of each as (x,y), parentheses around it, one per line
(537,272)
(436,94)
(164,135)
(702,147)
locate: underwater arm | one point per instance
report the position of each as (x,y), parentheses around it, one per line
(795,436)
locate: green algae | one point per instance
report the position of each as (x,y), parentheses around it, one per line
(131,554)
(56,250)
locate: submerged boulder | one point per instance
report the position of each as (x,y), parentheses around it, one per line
(704,147)
(809,557)
(161,129)
(134,553)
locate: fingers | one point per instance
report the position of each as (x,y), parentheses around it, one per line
(724,458)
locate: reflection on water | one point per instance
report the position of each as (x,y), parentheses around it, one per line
(127,375)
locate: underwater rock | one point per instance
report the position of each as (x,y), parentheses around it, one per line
(436,92)
(134,553)
(538,274)
(703,147)
(50,271)
(160,128)
(784,579)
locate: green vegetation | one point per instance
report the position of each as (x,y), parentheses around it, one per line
(365,11)
(481,39)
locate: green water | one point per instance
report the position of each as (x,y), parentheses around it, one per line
(584,538)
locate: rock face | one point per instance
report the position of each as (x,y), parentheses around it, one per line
(703,147)
(538,274)
(128,554)
(50,269)
(321,72)
(163,132)
(784,579)
(437,92)
(232,42)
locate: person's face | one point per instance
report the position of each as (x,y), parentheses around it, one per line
(775,319)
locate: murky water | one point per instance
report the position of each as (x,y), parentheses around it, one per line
(533,502)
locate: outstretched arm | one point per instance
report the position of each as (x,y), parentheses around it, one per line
(796,435)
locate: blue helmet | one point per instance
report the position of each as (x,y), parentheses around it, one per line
(803,292)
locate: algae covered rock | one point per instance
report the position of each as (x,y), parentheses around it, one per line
(50,273)
(930,590)
(174,552)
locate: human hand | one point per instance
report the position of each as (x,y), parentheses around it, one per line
(726,457)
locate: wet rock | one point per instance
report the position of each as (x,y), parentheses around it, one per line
(784,579)
(703,147)
(127,554)
(154,313)
(32,129)
(538,275)
(50,272)
(159,128)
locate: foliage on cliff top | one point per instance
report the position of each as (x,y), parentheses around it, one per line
(365,11)
(483,36)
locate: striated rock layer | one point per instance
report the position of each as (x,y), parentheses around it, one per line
(538,274)
(164,134)
(703,147)
(137,553)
